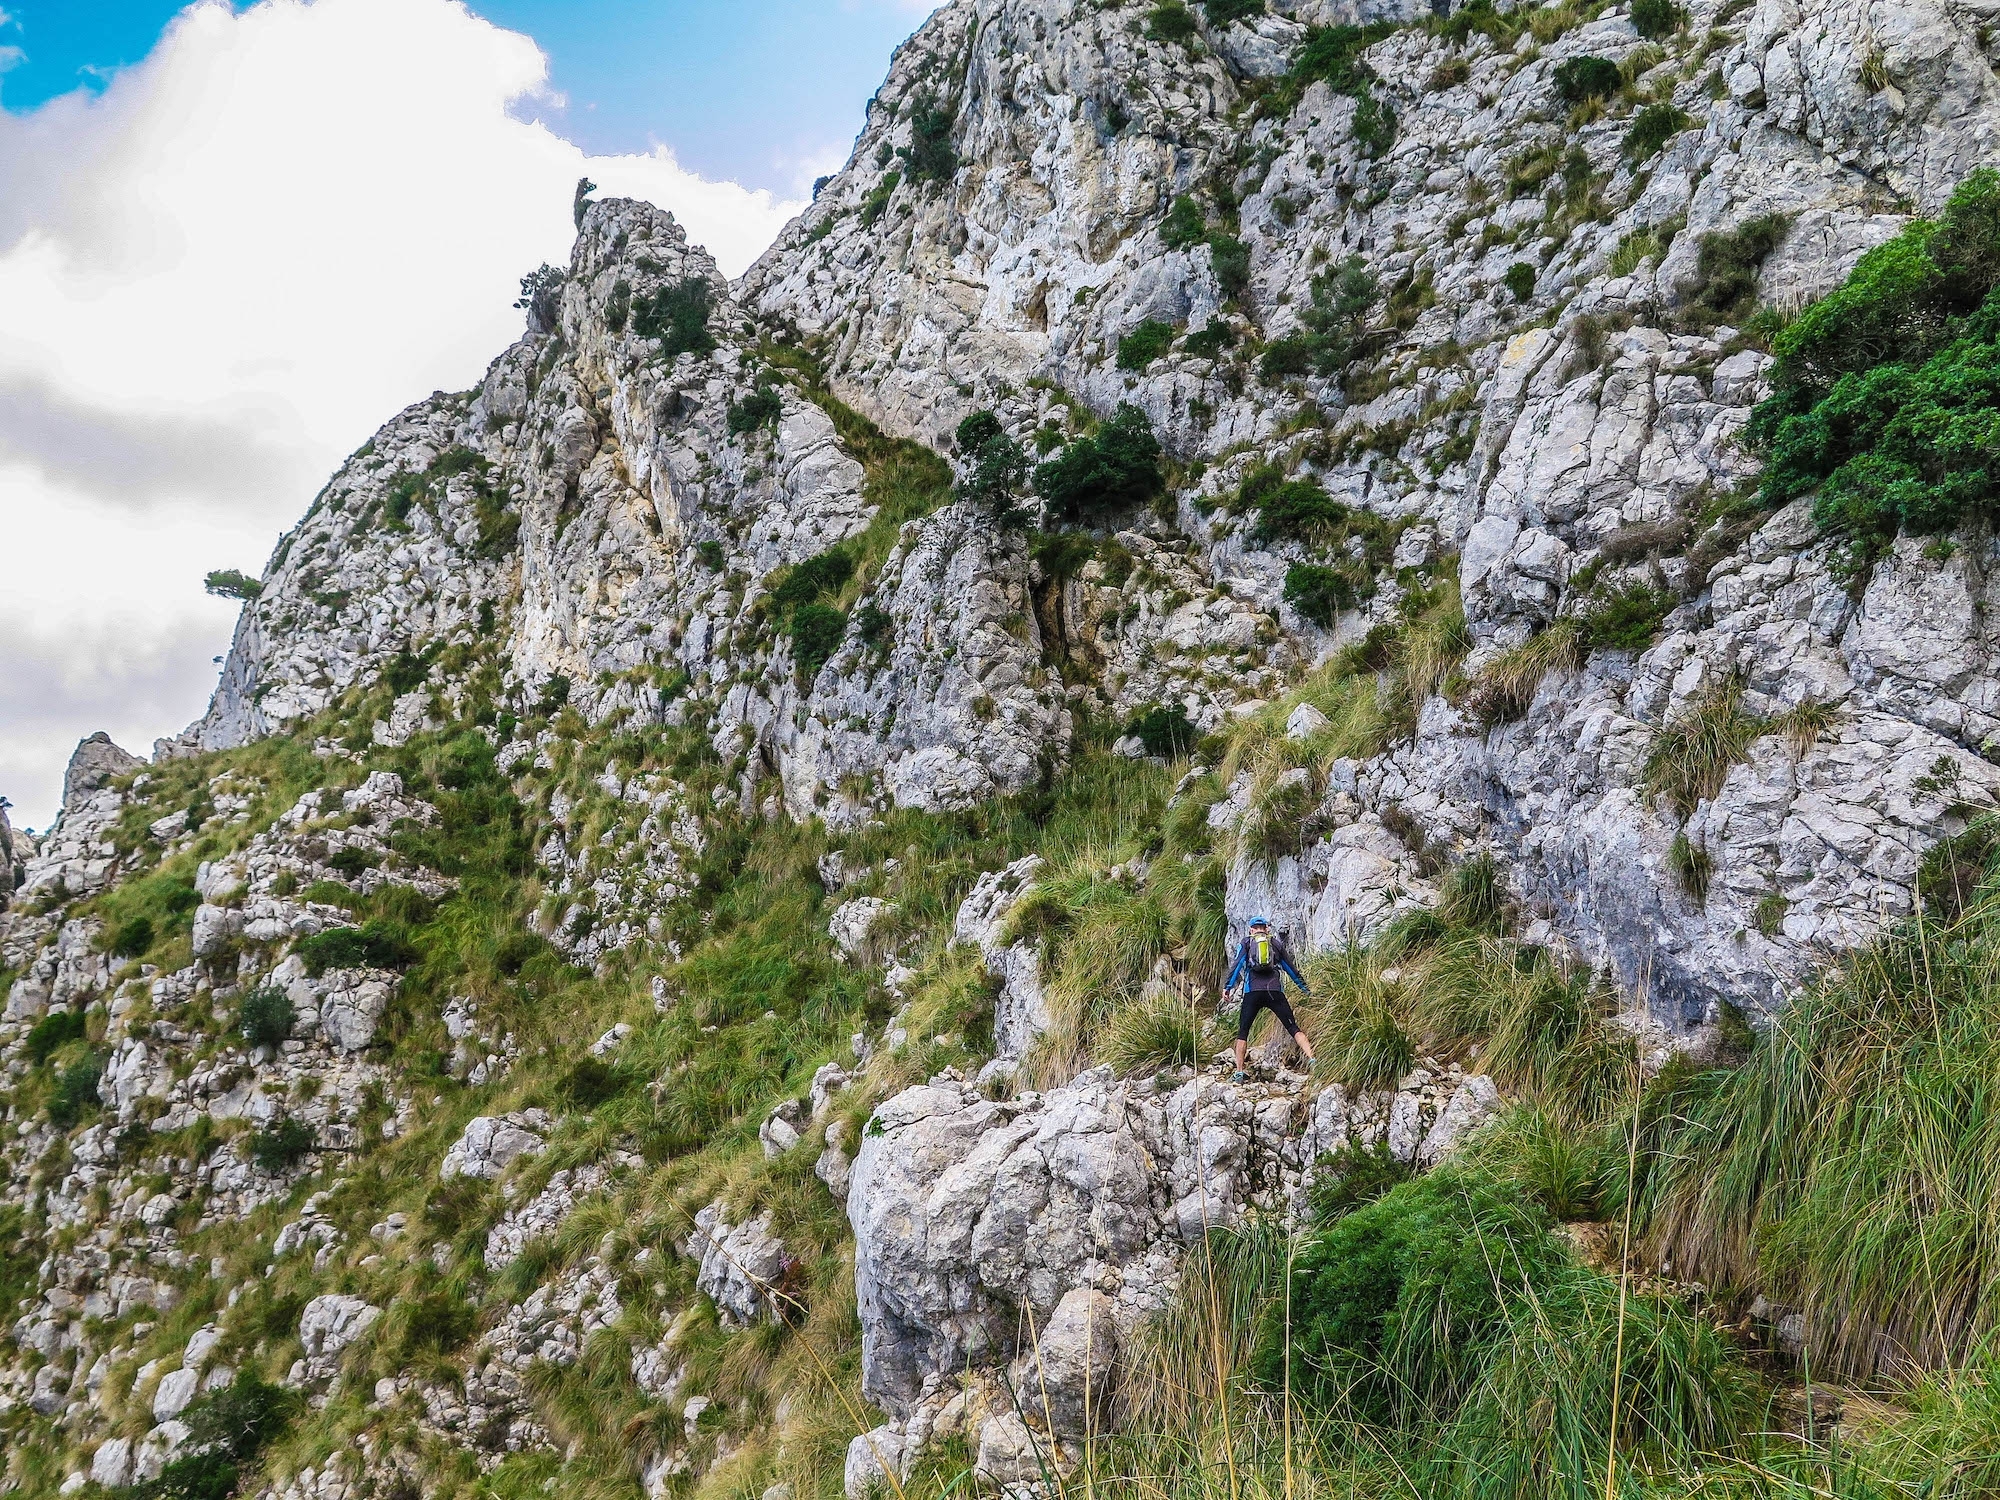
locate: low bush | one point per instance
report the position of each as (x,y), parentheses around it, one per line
(1332,325)
(1098,476)
(1578,79)
(132,937)
(75,1093)
(1884,396)
(1652,128)
(282,1146)
(1626,619)
(817,630)
(761,408)
(930,156)
(1171,21)
(678,317)
(1728,265)
(1657,20)
(55,1030)
(1227,12)
(1144,344)
(1520,280)
(1165,730)
(373,945)
(810,581)
(1332,55)
(1319,592)
(1185,226)
(266,1016)
(1229,258)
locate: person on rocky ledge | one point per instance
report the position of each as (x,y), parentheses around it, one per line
(1262,963)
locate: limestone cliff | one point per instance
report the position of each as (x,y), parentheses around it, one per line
(627,847)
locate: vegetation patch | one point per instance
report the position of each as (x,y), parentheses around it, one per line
(1884,396)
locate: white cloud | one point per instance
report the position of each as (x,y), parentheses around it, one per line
(223,274)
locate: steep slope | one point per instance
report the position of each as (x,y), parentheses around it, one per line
(683,954)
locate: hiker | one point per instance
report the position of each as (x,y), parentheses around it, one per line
(1262,964)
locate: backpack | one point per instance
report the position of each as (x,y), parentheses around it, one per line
(1263,955)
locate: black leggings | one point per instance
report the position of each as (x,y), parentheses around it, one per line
(1272,1000)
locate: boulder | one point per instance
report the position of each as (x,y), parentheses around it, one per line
(492,1144)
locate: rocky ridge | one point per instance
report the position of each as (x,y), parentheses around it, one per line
(580,591)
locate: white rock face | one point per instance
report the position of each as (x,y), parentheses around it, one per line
(740,1267)
(854,924)
(970,1214)
(1020,1012)
(111,1464)
(329,1325)
(490,1145)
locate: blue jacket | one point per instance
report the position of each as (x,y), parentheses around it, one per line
(1273,981)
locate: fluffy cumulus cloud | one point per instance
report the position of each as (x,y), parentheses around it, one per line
(218,277)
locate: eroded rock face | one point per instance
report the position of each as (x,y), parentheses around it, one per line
(492,1144)
(971,1214)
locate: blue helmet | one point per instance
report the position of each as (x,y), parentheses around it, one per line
(1260,921)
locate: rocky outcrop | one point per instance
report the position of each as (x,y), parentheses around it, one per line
(972,1215)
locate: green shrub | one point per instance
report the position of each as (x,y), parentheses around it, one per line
(266,1016)
(242,1418)
(1627,620)
(1228,12)
(1144,344)
(75,1093)
(373,945)
(1520,280)
(353,863)
(1292,510)
(976,431)
(591,1082)
(1184,226)
(999,470)
(229,583)
(1728,266)
(930,156)
(678,317)
(1652,128)
(434,1322)
(132,937)
(1346,1179)
(281,1147)
(1171,21)
(1392,1304)
(817,630)
(812,580)
(1332,325)
(1229,258)
(1884,396)
(1209,342)
(1656,20)
(1112,470)
(1165,730)
(199,1476)
(1578,79)
(761,408)
(1319,593)
(878,198)
(56,1029)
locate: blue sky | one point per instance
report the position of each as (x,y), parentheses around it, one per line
(753,91)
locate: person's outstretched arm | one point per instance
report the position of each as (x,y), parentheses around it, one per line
(1235,973)
(1285,963)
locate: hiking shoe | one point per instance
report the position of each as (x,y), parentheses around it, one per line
(1239,1076)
